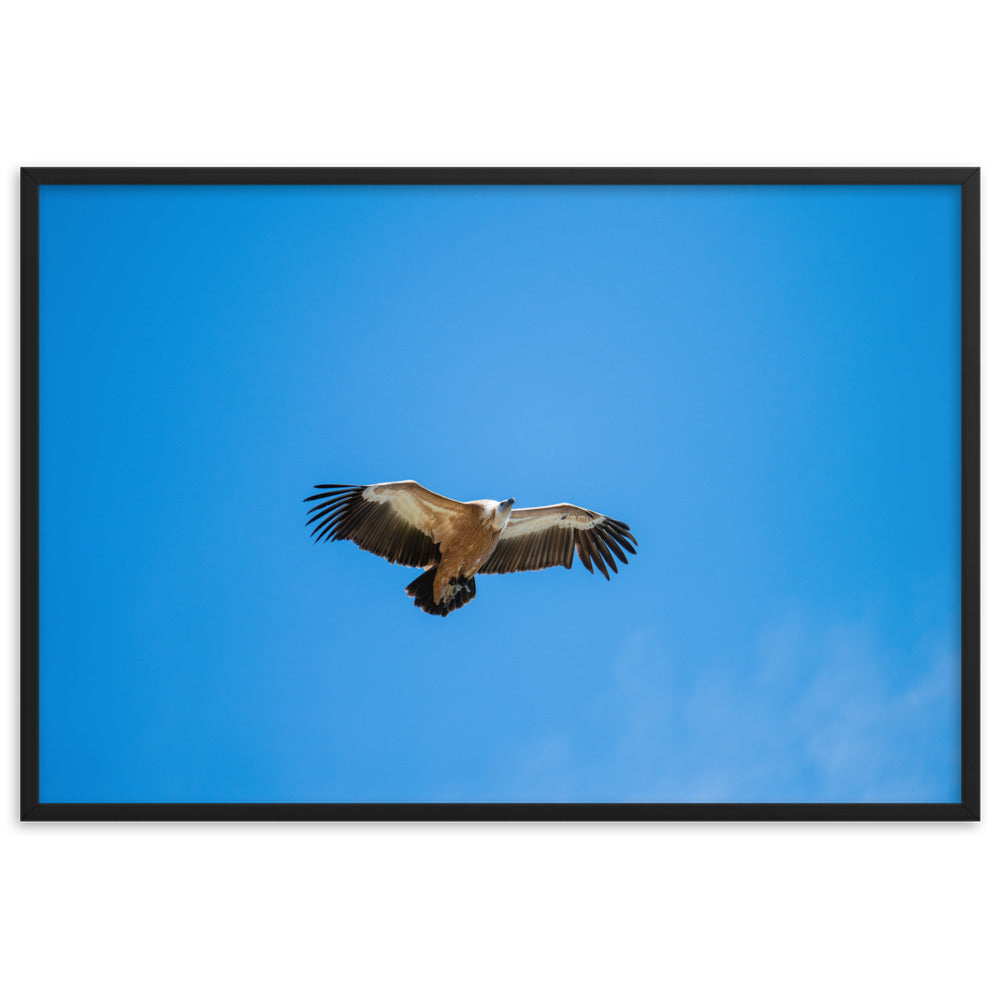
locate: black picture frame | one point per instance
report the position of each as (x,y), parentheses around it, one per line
(32,179)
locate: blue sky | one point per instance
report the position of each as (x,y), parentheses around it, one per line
(763,382)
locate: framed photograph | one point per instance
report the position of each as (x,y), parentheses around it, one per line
(475,494)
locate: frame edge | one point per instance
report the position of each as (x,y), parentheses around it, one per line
(600,812)
(970,477)
(459,175)
(29,515)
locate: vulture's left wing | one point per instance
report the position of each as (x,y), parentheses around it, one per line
(537,537)
(401,522)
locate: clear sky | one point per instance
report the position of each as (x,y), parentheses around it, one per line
(763,382)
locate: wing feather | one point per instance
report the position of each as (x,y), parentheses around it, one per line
(401,522)
(538,537)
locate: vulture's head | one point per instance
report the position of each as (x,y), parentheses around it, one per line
(501,513)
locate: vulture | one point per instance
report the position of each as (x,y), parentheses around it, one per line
(453,541)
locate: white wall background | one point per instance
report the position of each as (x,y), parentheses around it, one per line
(472,911)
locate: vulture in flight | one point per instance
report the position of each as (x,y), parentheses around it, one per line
(453,541)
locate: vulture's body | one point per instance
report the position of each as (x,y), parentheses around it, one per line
(453,541)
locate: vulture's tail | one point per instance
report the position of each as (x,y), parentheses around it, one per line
(456,596)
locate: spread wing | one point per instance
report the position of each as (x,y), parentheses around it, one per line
(537,537)
(401,522)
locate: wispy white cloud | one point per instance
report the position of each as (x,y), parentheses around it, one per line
(803,711)
(811,713)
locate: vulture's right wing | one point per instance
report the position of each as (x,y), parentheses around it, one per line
(538,537)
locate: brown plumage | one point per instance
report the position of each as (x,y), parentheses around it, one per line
(452,541)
